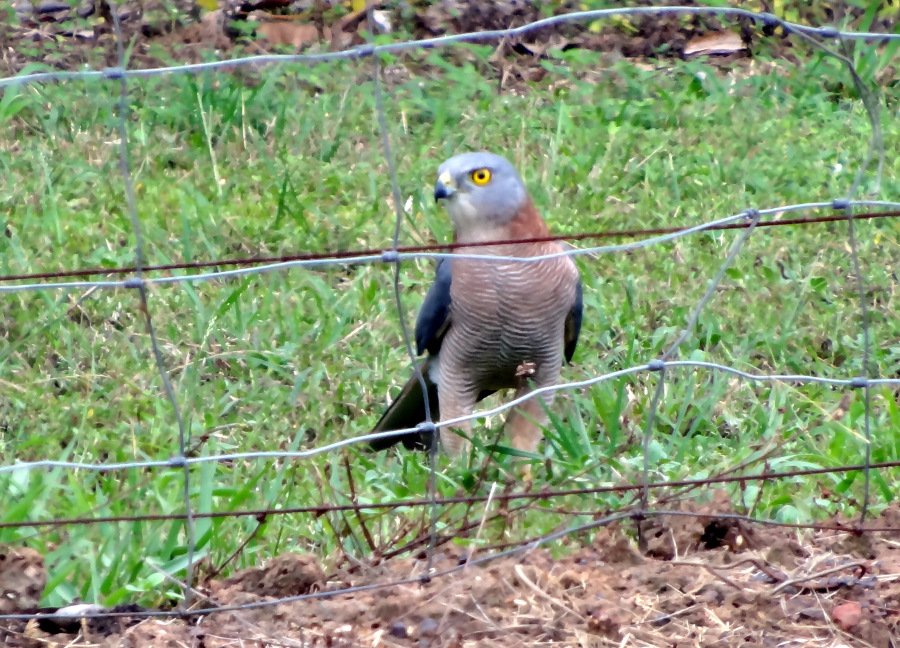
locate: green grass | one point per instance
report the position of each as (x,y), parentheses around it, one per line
(299,358)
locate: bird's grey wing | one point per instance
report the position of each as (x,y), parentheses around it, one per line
(408,409)
(573,323)
(434,316)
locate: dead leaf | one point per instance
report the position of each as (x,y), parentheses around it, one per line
(843,407)
(209,32)
(345,32)
(720,42)
(283,32)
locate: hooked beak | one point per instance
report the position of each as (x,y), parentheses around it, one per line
(445,187)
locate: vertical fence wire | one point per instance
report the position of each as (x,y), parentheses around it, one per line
(141,287)
(659,365)
(434,444)
(876,148)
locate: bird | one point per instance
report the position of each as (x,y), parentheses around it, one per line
(488,325)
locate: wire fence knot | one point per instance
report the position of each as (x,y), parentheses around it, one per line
(133,282)
(426,427)
(656,365)
(751,213)
(859,382)
(390,256)
(114,73)
(840,203)
(770,20)
(178,462)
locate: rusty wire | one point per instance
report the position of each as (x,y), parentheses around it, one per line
(338,255)
(321,509)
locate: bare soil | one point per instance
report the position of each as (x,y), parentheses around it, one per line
(702,581)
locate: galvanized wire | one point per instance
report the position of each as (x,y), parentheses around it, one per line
(263,513)
(654,365)
(340,255)
(390,257)
(141,287)
(364,51)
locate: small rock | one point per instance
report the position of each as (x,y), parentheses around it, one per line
(51,6)
(90,619)
(847,615)
(68,619)
(711,595)
(428,627)
(398,630)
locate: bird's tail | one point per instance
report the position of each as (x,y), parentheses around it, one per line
(407,411)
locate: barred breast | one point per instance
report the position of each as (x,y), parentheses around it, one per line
(506,313)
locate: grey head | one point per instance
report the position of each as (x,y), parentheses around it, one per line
(482,192)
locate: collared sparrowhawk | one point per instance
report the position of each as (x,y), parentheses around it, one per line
(485,324)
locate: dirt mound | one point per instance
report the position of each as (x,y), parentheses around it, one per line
(705,580)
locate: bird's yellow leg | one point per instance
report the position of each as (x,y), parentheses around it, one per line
(453,443)
(524,427)
(452,406)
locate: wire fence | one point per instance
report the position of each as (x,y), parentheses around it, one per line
(140,277)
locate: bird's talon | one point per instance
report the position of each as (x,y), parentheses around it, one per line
(526,370)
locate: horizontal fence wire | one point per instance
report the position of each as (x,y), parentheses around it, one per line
(390,256)
(321,509)
(180,461)
(749,221)
(338,256)
(365,51)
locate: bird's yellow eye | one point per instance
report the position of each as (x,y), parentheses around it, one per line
(480,176)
